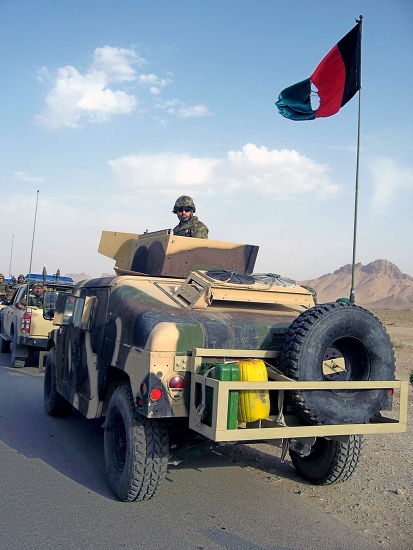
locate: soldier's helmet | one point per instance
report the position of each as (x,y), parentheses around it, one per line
(184,200)
(21,276)
(1,276)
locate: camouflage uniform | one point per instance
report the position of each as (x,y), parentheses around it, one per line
(4,287)
(191,227)
(18,282)
(35,300)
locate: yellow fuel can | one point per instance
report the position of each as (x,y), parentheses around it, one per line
(253,404)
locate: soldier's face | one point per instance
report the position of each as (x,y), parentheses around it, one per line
(37,290)
(184,214)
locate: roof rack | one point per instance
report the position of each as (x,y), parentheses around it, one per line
(48,278)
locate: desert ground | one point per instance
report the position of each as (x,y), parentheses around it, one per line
(377,500)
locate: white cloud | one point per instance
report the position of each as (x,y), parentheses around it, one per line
(116,64)
(388,179)
(281,173)
(182,110)
(159,170)
(42,74)
(22,176)
(194,111)
(104,90)
(154,80)
(76,97)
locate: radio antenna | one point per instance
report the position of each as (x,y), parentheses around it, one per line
(11,254)
(31,251)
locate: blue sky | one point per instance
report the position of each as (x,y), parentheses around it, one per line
(113,109)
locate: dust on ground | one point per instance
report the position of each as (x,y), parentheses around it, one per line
(377,499)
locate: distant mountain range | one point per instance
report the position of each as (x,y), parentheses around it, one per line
(378,285)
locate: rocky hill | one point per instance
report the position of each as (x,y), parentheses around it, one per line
(378,285)
(84,276)
(78,276)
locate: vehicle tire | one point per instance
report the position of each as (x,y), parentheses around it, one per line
(136,449)
(342,332)
(18,353)
(330,461)
(54,403)
(4,345)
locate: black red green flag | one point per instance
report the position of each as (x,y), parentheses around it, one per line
(337,79)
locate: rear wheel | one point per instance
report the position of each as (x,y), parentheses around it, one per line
(18,353)
(330,461)
(54,403)
(136,449)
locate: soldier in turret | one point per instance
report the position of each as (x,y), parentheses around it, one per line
(189,225)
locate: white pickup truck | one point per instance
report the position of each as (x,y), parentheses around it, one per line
(23,330)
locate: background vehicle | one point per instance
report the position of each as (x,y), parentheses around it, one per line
(184,347)
(23,329)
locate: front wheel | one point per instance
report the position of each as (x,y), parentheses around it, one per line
(54,403)
(330,461)
(4,345)
(136,449)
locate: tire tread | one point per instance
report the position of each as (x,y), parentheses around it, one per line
(345,457)
(151,451)
(293,343)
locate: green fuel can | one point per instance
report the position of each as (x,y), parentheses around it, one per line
(229,372)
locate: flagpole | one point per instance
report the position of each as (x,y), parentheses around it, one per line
(356,194)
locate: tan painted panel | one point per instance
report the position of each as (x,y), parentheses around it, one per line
(117,246)
(163,254)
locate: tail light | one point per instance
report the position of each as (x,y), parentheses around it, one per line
(177,382)
(25,323)
(155,394)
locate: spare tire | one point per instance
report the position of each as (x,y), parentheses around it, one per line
(337,342)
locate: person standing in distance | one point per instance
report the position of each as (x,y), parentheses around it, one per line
(20,281)
(189,225)
(4,286)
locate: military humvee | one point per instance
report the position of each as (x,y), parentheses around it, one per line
(23,329)
(168,351)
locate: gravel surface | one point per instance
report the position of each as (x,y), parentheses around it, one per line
(377,499)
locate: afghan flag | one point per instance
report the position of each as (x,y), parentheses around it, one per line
(337,79)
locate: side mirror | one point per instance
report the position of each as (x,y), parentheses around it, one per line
(49,304)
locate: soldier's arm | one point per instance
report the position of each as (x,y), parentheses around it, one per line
(200,231)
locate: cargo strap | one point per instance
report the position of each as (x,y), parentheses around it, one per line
(280,418)
(201,407)
(285,448)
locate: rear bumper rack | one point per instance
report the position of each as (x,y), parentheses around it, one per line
(288,426)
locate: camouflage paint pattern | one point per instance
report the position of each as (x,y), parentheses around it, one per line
(142,333)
